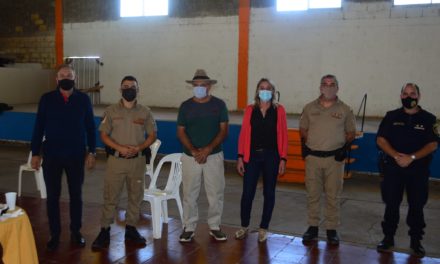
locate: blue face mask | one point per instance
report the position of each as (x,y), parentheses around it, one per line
(265,95)
(199,91)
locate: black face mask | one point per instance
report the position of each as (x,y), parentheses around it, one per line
(409,102)
(129,94)
(66,84)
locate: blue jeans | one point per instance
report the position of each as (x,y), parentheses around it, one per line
(52,172)
(266,162)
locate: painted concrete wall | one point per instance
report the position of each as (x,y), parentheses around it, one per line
(17,126)
(372,47)
(24,86)
(162,53)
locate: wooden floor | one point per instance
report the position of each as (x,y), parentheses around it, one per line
(204,249)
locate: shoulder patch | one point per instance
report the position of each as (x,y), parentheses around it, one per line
(436,128)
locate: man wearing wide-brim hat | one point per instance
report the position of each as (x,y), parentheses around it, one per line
(202,125)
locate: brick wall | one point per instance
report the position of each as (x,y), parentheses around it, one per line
(38,49)
(27,26)
(90,10)
(27,31)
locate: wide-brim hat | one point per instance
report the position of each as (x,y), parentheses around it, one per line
(201,75)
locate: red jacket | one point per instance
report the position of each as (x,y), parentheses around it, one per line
(244,140)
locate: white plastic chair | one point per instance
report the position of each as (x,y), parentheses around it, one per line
(150,167)
(41,186)
(158,198)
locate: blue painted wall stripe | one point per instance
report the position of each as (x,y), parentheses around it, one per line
(18,126)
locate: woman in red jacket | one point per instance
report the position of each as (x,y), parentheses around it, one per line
(262,148)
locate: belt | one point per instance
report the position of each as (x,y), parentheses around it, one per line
(118,155)
(322,154)
(114,152)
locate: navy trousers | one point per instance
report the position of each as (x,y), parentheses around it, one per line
(53,170)
(267,163)
(396,181)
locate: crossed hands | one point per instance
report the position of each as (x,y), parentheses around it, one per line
(403,160)
(128,151)
(201,154)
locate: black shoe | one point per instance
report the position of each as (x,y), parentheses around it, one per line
(53,243)
(386,245)
(131,234)
(332,237)
(77,239)
(103,239)
(311,234)
(417,248)
(186,236)
(218,235)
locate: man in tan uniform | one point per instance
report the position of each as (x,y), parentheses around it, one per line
(327,126)
(127,130)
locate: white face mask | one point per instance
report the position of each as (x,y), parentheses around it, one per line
(199,91)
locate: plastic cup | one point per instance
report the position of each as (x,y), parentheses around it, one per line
(10,199)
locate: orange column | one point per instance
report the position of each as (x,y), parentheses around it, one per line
(243,52)
(59,31)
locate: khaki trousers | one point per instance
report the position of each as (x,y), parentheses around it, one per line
(324,175)
(213,174)
(119,172)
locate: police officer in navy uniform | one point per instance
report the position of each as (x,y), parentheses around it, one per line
(408,136)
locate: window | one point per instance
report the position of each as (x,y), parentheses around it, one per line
(297,5)
(415,2)
(87,70)
(136,8)
(87,75)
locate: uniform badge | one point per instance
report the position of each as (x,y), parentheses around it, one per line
(413,103)
(139,121)
(419,127)
(336,115)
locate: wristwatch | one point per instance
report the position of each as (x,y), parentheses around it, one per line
(413,157)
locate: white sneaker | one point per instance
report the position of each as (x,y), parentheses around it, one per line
(241,233)
(262,235)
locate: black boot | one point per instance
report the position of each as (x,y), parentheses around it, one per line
(77,239)
(332,237)
(386,245)
(131,234)
(417,248)
(102,240)
(311,234)
(53,243)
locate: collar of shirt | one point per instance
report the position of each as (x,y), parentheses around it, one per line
(65,97)
(121,104)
